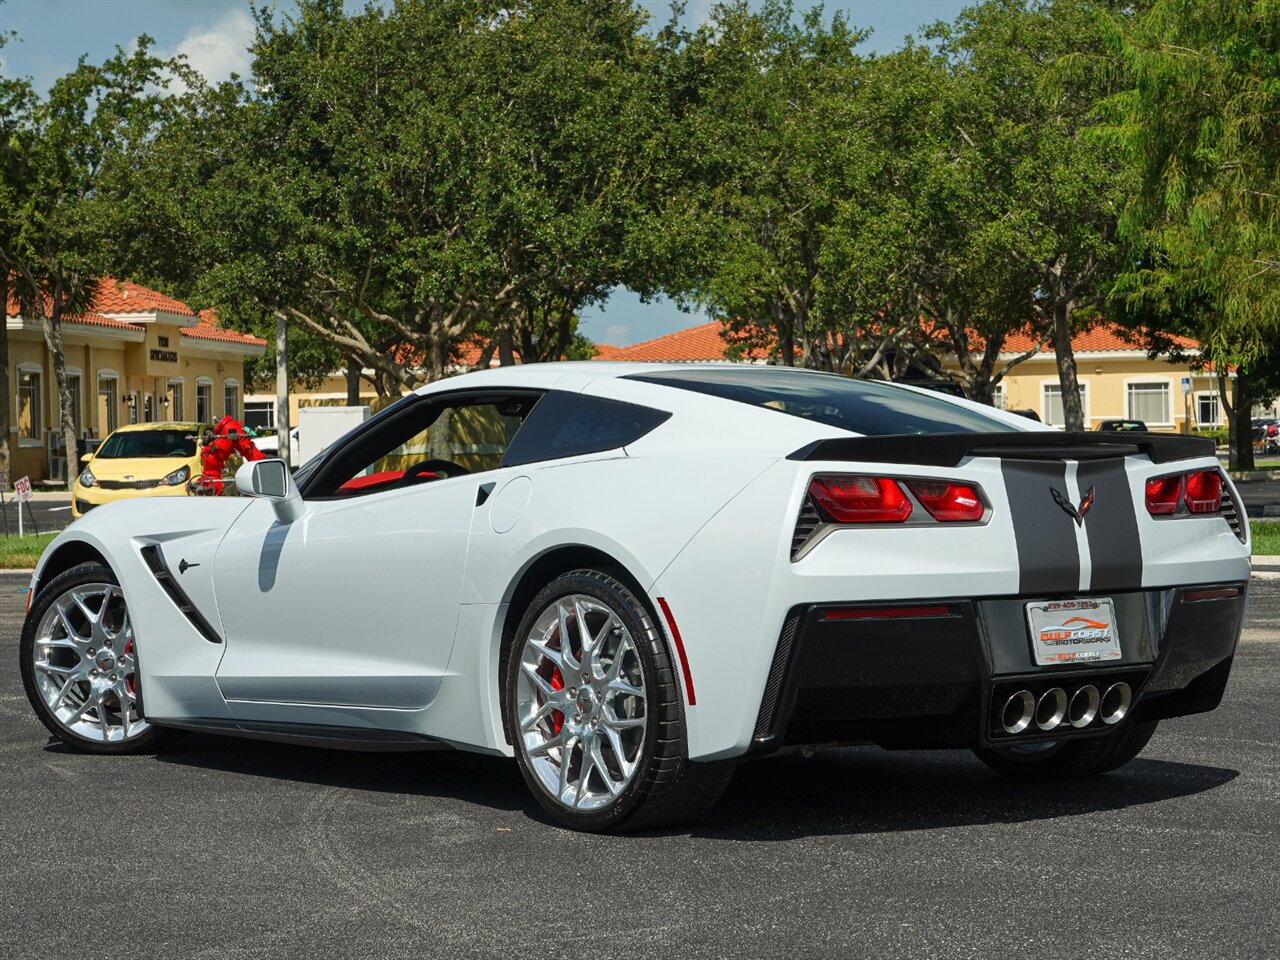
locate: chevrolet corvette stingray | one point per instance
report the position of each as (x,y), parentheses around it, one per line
(630,577)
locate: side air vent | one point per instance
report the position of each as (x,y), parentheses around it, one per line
(807,525)
(1231,513)
(164,576)
(777,676)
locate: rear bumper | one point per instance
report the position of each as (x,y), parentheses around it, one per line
(934,673)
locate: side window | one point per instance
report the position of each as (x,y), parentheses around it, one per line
(420,441)
(570,424)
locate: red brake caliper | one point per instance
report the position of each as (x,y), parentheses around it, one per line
(131,681)
(557,683)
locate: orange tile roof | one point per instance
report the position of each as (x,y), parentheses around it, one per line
(705,342)
(209,327)
(709,341)
(1100,338)
(124,296)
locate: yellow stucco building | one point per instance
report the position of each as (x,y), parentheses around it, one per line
(136,356)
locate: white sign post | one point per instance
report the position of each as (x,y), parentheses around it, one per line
(22,490)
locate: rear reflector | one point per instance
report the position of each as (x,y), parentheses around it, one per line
(1210,593)
(1163,494)
(885,613)
(861,499)
(1204,491)
(948,502)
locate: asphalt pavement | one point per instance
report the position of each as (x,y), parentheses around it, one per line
(226,848)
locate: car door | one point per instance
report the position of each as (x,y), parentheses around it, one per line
(355,604)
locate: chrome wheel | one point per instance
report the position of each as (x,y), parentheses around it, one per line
(84,664)
(580,703)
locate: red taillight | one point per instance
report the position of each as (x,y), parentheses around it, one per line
(948,502)
(1163,494)
(861,499)
(1204,491)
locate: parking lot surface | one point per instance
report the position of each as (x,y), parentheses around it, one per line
(228,848)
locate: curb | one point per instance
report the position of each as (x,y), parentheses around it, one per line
(1248,476)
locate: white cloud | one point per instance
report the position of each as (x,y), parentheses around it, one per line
(219,49)
(617,333)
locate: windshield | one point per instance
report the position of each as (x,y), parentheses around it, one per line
(148,443)
(867,407)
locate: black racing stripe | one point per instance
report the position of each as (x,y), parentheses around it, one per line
(1112,526)
(1048,557)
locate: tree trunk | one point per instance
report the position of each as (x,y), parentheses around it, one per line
(282,390)
(1239,424)
(1072,409)
(353,382)
(4,377)
(53,338)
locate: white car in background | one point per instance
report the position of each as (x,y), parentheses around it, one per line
(630,577)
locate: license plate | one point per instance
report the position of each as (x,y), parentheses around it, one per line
(1073,631)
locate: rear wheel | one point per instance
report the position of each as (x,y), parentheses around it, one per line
(79,664)
(592,707)
(1069,759)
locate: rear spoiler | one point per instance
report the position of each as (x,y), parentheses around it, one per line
(949,449)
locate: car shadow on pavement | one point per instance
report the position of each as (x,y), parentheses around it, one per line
(868,790)
(839,791)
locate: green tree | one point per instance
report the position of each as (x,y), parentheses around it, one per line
(15,105)
(403,184)
(1030,78)
(1198,124)
(64,153)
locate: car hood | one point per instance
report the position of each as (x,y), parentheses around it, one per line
(138,468)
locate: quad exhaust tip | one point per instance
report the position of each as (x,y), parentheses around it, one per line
(1018,711)
(1084,706)
(1056,707)
(1115,703)
(1051,708)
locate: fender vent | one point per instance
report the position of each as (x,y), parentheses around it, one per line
(164,576)
(1231,514)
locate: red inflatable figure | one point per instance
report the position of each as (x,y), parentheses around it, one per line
(227,438)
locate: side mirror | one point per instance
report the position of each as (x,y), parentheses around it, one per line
(270,480)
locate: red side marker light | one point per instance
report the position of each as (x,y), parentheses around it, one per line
(948,502)
(1204,491)
(679,642)
(861,499)
(1163,494)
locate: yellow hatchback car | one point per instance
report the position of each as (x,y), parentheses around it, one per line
(140,460)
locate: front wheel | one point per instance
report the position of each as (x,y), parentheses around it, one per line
(1070,759)
(79,664)
(592,706)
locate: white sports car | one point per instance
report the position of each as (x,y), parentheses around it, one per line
(632,576)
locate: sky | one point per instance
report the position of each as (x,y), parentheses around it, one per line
(214,34)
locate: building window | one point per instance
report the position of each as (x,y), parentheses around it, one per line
(1207,411)
(175,399)
(204,401)
(133,407)
(108,404)
(73,382)
(30,424)
(148,408)
(1051,404)
(997,396)
(231,398)
(1149,402)
(260,415)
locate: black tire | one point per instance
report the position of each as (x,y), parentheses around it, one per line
(1071,759)
(149,741)
(666,787)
